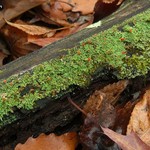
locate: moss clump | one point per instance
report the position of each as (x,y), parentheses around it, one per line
(123,48)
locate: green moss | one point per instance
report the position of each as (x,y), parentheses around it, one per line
(9,119)
(124,48)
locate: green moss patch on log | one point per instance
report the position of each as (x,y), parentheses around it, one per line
(125,48)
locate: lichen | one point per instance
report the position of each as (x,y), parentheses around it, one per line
(123,48)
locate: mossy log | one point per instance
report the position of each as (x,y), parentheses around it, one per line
(34,88)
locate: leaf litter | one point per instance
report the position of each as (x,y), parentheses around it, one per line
(37,23)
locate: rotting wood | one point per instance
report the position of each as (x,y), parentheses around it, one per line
(31,116)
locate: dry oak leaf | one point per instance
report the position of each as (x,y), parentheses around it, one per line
(58,35)
(30,29)
(67,141)
(128,142)
(18,41)
(14,8)
(84,6)
(140,118)
(44,41)
(109,93)
(52,13)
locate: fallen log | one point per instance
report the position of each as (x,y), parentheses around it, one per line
(34,88)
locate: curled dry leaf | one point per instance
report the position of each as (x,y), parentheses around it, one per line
(67,12)
(44,41)
(20,36)
(14,8)
(140,119)
(84,6)
(66,141)
(58,18)
(109,93)
(114,90)
(128,142)
(100,111)
(17,40)
(30,29)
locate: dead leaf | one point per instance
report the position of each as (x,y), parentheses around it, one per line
(52,13)
(44,41)
(30,29)
(57,13)
(55,19)
(128,142)
(84,6)
(109,93)
(140,118)
(101,112)
(123,114)
(114,90)
(14,8)
(66,6)
(67,141)
(146,137)
(17,41)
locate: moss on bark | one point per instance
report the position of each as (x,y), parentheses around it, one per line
(123,48)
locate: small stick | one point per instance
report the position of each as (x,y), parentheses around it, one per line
(76,106)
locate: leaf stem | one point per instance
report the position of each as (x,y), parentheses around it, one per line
(76,106)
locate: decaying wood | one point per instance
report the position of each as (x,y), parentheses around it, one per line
(59,114)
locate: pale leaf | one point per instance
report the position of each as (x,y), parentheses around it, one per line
(14,8)
(128,142)
(66,141)
(30,29)
(140,118)
(84,6)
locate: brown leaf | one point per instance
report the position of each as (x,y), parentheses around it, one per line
(66,5)
(114,90)
(140,118)
(14,8)
(52,13)
(146,137)
(109,93)
(84,6)
(100,112)
(66,141)
(123,114)
(58,35)
(128,142)
(44,41)
(57,13)
(30,29)
(17,41)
